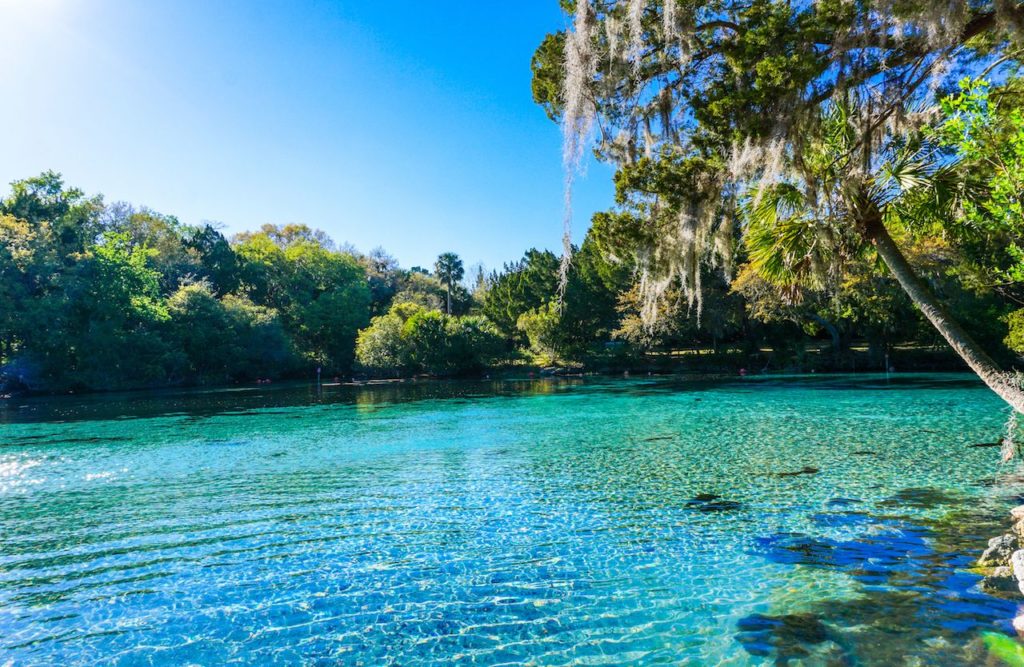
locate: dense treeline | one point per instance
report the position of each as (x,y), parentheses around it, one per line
(101,297)
(98,297)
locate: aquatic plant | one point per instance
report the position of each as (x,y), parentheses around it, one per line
(1007,649)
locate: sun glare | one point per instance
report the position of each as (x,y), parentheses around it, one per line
(23,19)
(29,8)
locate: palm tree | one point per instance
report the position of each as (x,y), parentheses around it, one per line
(799,230)
(678,94)
(449,270)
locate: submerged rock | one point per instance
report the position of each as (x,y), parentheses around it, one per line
(720,506)
(710,502)
(806,470)
(999,551)
(1000,581)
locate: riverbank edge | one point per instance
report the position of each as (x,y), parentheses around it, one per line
(698,366)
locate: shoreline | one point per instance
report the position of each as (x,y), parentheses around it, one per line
(537,375)
(717,366)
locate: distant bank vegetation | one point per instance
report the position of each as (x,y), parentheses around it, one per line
(97,296)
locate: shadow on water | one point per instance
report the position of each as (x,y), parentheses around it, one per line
(243,399)
(711,502)
(786,637)
(916,595)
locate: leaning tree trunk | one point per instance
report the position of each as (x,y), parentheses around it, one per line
(977,359)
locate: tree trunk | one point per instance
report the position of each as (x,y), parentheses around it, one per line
(448,292)
(977,359)
(831,329)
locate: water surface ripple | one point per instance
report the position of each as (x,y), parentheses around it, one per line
(828,520)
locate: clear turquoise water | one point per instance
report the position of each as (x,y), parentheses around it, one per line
(547,523)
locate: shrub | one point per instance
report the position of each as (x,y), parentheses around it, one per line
(412,339)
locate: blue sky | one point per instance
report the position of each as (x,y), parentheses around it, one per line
(407,125)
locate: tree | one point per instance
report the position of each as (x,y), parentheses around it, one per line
(384,276)
(225,339)
(542,329)
(74,218)
(286,235)
(588,309)
(798,121)
(81,306)
(520,286)
(328,302)
(473,344)
(103,297)
(217,262)
(163,235)
(111,313)
(676,326)
(322,295)
(422,289)
(984,125)
(29,275)
(449,271)
(380,347)
(412,339)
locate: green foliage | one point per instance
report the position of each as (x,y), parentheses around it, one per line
(105,297)
(327,302)
(96,297)
(678,326)
(225,339)
(285,236)
(1015,336)
(421,288)
(449,271)
(217,263)
(426,337)
(523,299)
(380,348)
(123,279)
(383,278)
(107,318)
(588,311)
(73,218)
(412,339)
(548,65)
(799,137)
(322,295)
(542,327)
(1007,649)
(521,286)
(985,129)
(473,344)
